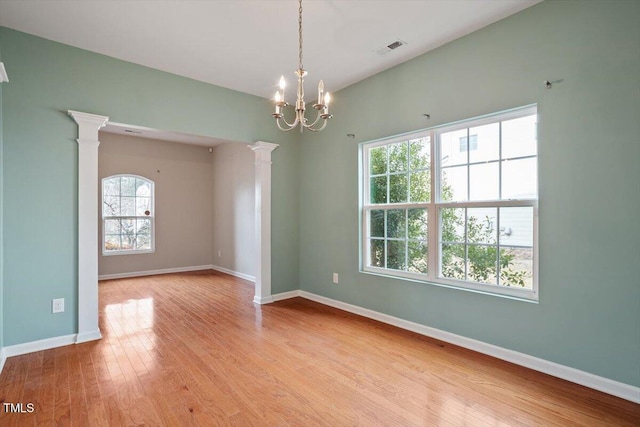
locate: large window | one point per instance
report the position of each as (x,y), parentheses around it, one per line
(127,215)
(455,205)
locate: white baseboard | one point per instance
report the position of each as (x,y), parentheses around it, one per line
(154,272)
(88,336)
(33,346)
(285,295)
(262,300)
(615,388)
(234,273)
(46,344)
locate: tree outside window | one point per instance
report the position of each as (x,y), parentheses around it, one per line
(127,214)
(481,210)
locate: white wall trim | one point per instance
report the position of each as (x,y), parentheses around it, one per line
(155,272)
(615,388)
(33,346)
(262,300)
(88,127)
(285,295)
(262,152)
(3,358)
(88,336)
(234,273)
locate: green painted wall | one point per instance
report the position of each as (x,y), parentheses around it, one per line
(1,220)
(40,164)
(588,316)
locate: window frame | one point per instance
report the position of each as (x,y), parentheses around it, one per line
(433,207)
(151,217)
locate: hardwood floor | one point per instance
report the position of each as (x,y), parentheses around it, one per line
(192,349)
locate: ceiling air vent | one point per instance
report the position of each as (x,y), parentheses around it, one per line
(391,46)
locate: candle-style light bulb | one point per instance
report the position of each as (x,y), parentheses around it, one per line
(325,108)
(320,91)
(278,98)
(282,83)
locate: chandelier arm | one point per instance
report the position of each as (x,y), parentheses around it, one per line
(289,126)
(320,128)
(287,129)
(295,122)
(315,121)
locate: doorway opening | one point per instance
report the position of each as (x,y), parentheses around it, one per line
(89,126)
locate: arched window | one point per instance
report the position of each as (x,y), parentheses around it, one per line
(127,215)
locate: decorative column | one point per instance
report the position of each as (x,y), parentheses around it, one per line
(88,127)
(263,221)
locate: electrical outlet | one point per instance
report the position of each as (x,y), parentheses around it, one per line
(57,305)
(335,278)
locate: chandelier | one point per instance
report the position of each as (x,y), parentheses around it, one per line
(323,97)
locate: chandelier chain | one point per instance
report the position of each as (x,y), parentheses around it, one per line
(300,35)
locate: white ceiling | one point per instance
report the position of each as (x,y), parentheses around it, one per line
(163,135)
(247,45)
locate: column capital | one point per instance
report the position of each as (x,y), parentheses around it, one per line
(88,124)
(262,146)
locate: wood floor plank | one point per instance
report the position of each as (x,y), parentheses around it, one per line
(12,389)
(62,392)
(191,349)
(45,404)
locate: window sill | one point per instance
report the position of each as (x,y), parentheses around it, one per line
(511,293)
(129,252)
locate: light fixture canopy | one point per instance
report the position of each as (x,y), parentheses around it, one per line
(322,106)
